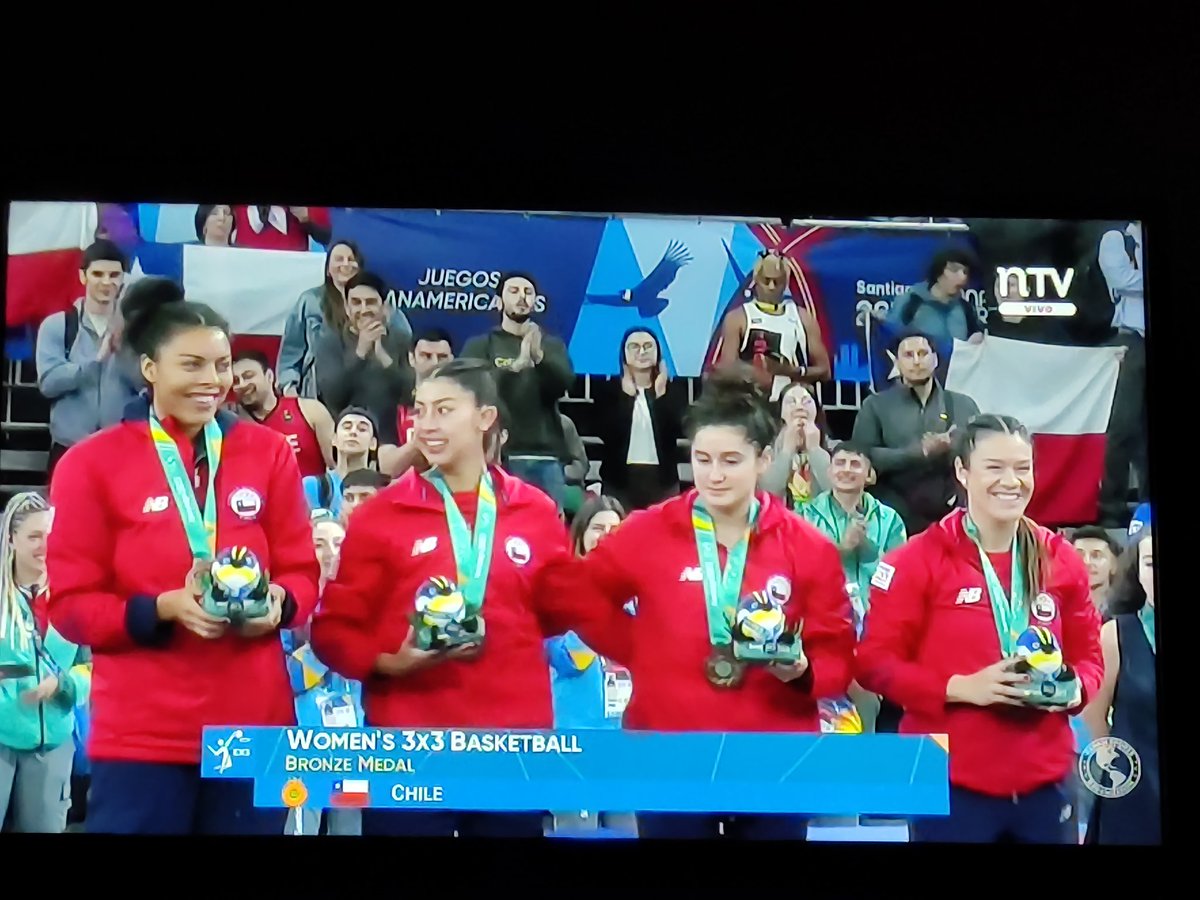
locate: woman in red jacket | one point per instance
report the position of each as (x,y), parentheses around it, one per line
(689,561)
(941,640)
(137,505)
(425,530)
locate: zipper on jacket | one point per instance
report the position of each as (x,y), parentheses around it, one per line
(37,671)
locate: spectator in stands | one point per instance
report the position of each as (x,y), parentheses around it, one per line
(323,698)
(305,423)
(1120,258)
(947,610)
(589,690)
(575,472)
(280,227)
(937,308)
(772,333)
(318,310)
(683,666)
(214,224)
(81,367)
(909,429)
(363,628)
(358,487)
(800,459)
(37,708)
(533,371)
(1126,706)
(355,445)
(863,530)
(1099,553)
(434,347)
(130,589)
(639,425)
(365,363)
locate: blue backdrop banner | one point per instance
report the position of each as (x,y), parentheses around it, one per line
(592,769)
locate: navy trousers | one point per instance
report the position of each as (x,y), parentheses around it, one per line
(403,823)
(691,826)
(161,798)
(1043,816)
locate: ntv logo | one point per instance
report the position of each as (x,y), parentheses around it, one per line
(1013,282)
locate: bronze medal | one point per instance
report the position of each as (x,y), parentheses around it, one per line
(723,670)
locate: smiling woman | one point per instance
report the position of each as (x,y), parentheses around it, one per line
(134,590)
(954,662)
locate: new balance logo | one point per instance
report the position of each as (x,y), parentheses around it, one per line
(969,595)
(424,545)
(691,574)
(155,504)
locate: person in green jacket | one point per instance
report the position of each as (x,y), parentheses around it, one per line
(864,530)
(41,688)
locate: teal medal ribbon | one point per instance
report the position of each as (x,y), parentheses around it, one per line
(722,590)
(1146,617)
(472,549)
(1011,614)
(201,529)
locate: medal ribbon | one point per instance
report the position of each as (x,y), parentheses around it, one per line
(1012,616)
(722,590)
(472,551)
(201,531)
(1146,617)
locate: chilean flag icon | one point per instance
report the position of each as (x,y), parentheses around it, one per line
(350,793)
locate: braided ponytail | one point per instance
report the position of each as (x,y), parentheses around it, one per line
(18,509)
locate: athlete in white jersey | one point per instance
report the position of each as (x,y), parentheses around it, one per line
(778,338)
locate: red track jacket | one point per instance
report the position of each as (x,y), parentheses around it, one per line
(399,539)
(118,543)
(653,556)
(930,618)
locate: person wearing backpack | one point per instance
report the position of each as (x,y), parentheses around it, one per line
(936,307)
(355,446)
(81,366)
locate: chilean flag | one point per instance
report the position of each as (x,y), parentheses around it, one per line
(1064,396)
(255,290)
(45,248)
(350,793)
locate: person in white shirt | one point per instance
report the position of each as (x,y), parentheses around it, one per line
(1120,258)
(777,337)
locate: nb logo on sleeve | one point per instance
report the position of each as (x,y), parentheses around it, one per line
(155,504)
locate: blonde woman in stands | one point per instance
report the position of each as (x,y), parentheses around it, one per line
(39,690)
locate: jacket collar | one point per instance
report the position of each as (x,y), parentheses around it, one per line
(412,489)
(137,411)
(952,534)
(772,511)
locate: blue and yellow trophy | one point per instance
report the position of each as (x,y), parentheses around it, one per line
(1052,681)
(236,587)
(442,620)
(761,633)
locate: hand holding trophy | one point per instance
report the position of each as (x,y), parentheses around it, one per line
(1053,685)
(761,633)
(442,620)
(236,588)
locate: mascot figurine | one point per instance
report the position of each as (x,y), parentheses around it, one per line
(1052,682)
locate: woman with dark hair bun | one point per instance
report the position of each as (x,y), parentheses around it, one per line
(982,628)
(144,509)
(1126,709)
(695,563)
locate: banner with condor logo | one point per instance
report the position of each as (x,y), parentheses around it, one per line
(598,276)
